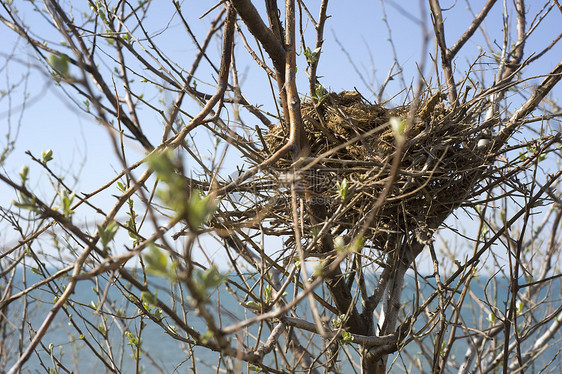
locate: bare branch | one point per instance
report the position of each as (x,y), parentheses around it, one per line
(267,38)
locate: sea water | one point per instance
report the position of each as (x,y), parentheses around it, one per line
(65,343)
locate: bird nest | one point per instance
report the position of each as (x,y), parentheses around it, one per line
(349,167)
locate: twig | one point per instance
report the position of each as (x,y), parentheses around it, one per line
(228,42)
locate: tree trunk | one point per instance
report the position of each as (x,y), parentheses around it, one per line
(374,359)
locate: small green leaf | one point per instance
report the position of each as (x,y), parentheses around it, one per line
(208,280)
(162,164)
(267,293)
(46,156)
(312,56)
(343,188)
(97,7)
(443,348)
(157,263)
(133,340)
(149,298)
(66,202)
(519,305)
(398,126)
(26,202)
(107,233)
(157,314)
(121,186)
(357,245)
(174,194)
(346,337)
(484,231)
(127,37)
(24,174)
(200,209)
(338,321)
(320,94)
(339,244)
(318,269)
(206,337)
(59,63)
(253,305)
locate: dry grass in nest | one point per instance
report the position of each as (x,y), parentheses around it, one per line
(352,142)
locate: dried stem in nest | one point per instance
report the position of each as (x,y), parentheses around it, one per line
(440,161)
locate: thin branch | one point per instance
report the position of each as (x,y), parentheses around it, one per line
(364,340)
(452,52)
(272,45)
(524,110)
(318,46)
(77,268)
(446,63)
(222,84)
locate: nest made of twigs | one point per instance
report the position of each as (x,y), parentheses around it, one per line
(351,142)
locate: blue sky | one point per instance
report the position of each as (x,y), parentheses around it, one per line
(81,146)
